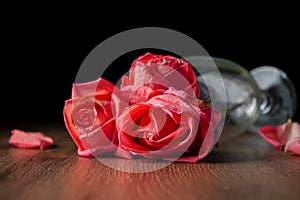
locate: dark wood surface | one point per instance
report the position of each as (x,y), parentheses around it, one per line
(243,168)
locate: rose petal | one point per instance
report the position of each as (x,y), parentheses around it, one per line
(100,88)
(85,153)
(29,140)
(140,94)
(174,103)
(206,136)
(98,141)
(279,136)
(97,151)
(271,135)
(73,131)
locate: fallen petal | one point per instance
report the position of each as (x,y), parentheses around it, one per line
(272,135)
(285,136)
(30,140)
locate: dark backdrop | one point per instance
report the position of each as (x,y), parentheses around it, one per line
(41,56)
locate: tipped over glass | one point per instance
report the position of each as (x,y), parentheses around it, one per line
(262,96)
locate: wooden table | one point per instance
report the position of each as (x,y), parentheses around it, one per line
(244,168)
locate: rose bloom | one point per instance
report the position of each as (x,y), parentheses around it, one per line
(170,126)
(152,75)
(90,116)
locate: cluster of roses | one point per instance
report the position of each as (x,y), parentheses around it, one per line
(155,113)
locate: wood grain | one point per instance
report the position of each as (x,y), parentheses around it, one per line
(243,168)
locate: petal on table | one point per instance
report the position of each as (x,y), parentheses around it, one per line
(279,136)
(273,135)
(30,140)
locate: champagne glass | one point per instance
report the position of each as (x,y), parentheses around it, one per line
(262,96)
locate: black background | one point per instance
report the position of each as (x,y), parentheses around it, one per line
(41,53)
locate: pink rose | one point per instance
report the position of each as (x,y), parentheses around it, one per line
(154,74)
(167,126)
(163,118)
(90,116)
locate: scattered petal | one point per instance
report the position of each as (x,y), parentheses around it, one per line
(285,136)
(29,140)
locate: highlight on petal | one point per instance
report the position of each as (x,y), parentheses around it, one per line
(285,136)
(30,140)
(293,145)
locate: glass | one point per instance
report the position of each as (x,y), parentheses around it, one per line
(262,96)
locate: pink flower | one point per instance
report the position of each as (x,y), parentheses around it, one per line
(163,119)
(167,126)
(285,136)
(90,116)
(151,75)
